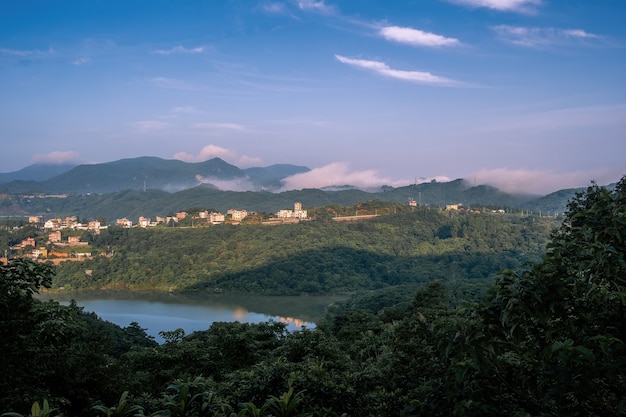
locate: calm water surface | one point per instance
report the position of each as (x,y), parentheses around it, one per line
(191,312)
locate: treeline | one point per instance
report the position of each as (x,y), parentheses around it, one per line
(316,257)
(545,340)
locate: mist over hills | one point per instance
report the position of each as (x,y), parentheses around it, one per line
(145,173)
(150,186)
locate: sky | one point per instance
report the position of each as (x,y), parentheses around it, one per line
(526,95)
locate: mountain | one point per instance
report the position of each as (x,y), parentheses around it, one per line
(132,203)
(152,173)
(150,186)
(36,172)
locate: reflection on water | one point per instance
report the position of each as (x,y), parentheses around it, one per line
(158,312)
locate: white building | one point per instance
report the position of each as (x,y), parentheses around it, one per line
(237,215)
(296,213)
(217,218)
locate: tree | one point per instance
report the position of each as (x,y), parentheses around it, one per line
(551,340)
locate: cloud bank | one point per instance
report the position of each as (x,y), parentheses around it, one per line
(539,182)
(57,158)
(338,174)
(383,69)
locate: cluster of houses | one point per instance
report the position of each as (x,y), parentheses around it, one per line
(233,216)
(66,246)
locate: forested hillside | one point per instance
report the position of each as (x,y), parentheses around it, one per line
(315,257)
(132,203)
(548,339)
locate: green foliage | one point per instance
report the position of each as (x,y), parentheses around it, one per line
(548,339)
(37,410)
(317,257)
(551,340)
(122,409)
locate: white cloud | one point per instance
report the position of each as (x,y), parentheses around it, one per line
(537,37)
(180,50)
(220,126)
(273,8)
(27,53)
(81,61)
(15,52)
(520,6)
(383,69)
(214,151)
(415,37)
(239,185)
(150,125)
(316,6)
(57,157)
(540,182)
(337,174)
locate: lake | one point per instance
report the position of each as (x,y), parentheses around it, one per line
(158,312)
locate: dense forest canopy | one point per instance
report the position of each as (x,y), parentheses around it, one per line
(547,339)
(401,246)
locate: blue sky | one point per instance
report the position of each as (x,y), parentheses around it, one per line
(524,94)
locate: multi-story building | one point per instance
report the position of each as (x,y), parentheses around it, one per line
(296,213)
(237,215)
(124,222)
(217,218)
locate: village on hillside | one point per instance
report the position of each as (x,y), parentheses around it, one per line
(58,247)
(55,246)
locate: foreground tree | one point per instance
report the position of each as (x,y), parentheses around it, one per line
(551,340)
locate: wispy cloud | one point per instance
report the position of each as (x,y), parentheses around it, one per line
(150,125)
(173,83)
(338,174)
(221,126)
(214,151)
(180,50)
(27,53)
(57,157)
(538,37)
(317,6)
(383,69)
(519,6)
(564,118)
(185,110)
(81,61)
(274,8)
(540,181)
(415,37)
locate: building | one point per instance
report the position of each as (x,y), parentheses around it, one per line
(237,215)
(216,218)
(52,224)
(143,221)
(124,222)
(296,213)
(54,236)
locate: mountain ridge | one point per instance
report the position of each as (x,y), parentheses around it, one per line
(147,172)
(150,186)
